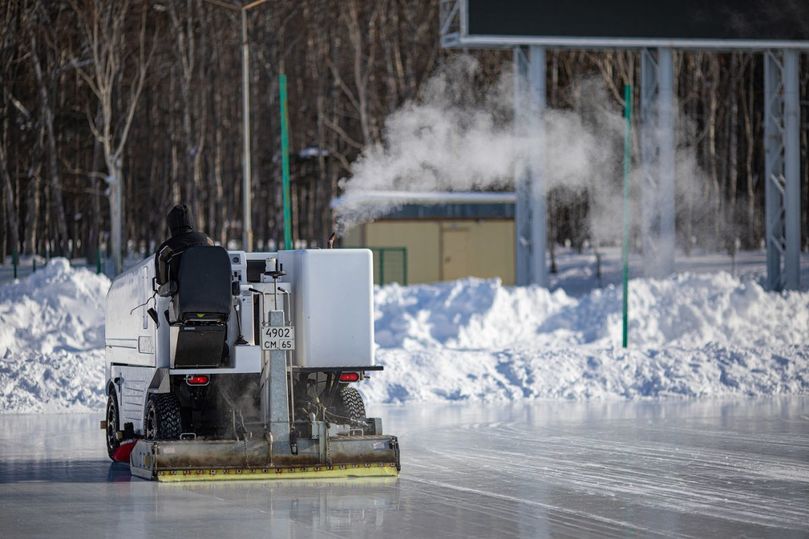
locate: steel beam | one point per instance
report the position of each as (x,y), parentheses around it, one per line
(522,215)
(657,114)
(648,157)
(530,208)
(665,126)
(781,169)
(792,167)
(539,218)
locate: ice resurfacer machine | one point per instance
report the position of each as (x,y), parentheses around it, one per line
(243,365)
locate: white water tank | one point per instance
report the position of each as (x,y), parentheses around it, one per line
(333,306)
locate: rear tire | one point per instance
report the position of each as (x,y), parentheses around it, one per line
(162,419)
(112,417)
(350,404)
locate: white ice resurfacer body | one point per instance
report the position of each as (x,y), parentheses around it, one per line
(243,365)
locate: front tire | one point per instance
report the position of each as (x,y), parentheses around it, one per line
(162,418)
(112,424)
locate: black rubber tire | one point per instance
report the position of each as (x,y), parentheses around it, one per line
(113,417)
(351,404)
(162,419)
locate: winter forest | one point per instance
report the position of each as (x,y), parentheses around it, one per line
(148,93)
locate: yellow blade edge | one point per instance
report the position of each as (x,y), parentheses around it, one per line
(247,474)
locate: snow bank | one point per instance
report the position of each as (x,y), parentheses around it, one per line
(691,335)
(685,310)
(52,340)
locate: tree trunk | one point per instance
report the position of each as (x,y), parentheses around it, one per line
(9,210)
(55,187)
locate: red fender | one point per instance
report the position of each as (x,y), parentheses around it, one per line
(123,451)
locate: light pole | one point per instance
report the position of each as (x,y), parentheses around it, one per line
(247,225)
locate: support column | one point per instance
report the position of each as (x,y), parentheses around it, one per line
(782,169)
(648,159)
(536,173)
(792,168)
(530,211)
(657,116)
(665,122)
(522,219)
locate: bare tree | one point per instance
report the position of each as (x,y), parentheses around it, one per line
(103,25)
(47,119)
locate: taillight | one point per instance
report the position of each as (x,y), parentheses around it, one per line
(349,376)
(197,380)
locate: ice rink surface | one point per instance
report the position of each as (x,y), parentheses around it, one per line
(674,468)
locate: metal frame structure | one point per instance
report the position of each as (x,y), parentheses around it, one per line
(782,168)
(658,144)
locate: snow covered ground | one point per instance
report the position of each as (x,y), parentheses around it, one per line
(52,340)
(704,333)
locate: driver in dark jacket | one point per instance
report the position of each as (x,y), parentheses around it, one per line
(182,237)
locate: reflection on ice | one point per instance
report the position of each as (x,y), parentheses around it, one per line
(608,468)
(333,505)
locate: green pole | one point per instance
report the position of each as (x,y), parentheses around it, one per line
(627,163)
(282,88)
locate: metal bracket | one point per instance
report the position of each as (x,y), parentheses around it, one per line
(450,21)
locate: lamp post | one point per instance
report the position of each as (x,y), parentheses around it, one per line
(247,225)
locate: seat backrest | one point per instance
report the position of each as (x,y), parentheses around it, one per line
(203,284)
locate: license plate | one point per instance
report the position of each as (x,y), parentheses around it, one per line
(278,338)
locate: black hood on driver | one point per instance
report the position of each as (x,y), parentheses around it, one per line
(179,220)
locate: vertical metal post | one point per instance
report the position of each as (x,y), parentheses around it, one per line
(781,169)
(282,89)
(625,247)
(649,159)
(665,126)
(539,231)
(773,168)
(792,165)
(657,115)
(247,227)
(522,220)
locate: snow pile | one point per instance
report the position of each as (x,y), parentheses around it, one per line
(690,335)
(684,310)
(52,340)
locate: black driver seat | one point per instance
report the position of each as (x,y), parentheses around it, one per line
(200,304)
